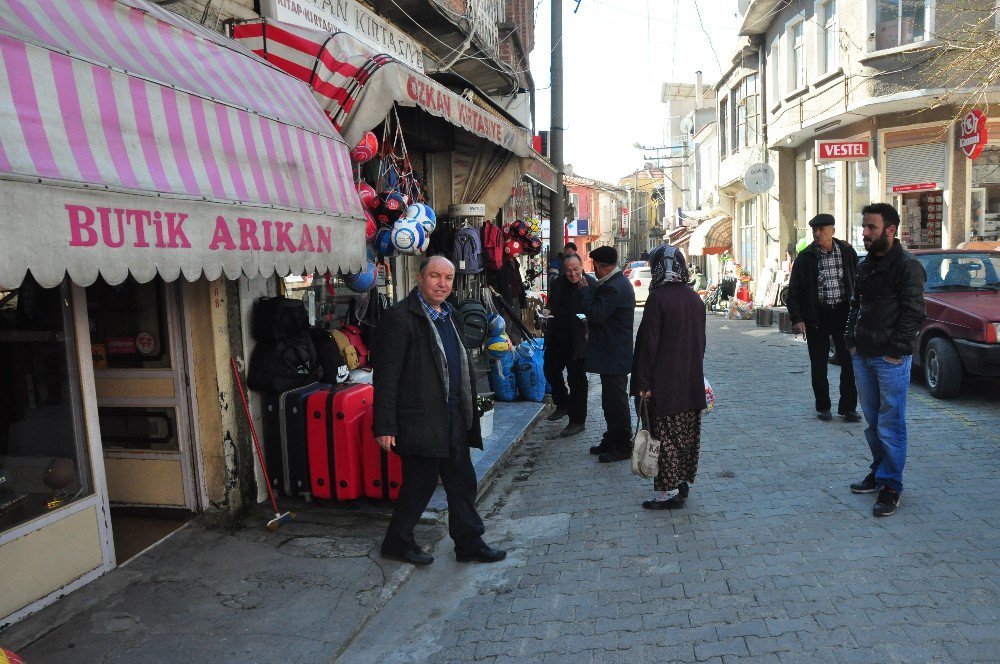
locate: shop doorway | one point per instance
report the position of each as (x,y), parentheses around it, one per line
(142,386)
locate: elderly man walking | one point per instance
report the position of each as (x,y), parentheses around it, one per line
(819,296)
(886,313)
(610,309)
(425,410)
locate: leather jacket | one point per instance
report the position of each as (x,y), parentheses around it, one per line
(887,308)
(803,285)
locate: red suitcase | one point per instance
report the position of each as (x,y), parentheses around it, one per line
(335,420)
(382,471)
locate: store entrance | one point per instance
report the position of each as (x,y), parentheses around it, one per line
(143,406)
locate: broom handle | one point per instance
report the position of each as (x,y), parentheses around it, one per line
(253,432)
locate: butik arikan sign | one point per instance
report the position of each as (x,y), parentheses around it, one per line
(973,134)
(843,150)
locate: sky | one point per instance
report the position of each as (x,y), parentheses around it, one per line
(616,56)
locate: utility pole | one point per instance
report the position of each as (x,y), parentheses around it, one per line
(557,213)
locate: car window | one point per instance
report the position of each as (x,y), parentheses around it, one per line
(960,271)
(641,273)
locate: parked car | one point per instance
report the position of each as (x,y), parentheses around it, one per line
(631,265)
(962,332)
(640,278)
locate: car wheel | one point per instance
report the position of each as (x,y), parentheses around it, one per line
(942,368)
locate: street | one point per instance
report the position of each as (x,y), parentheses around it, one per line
(772,560)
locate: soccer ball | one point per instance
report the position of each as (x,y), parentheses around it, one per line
(513,248)
(498,345)
(367,193)
(366,148)
(497,325)
(364,281)
(408,236)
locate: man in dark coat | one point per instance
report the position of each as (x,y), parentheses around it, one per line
(819,296)
(566,346)
(887,311)
(610,309)
(425,409)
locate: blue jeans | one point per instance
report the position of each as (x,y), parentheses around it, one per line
(882,388)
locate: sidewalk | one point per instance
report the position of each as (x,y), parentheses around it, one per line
(244,594)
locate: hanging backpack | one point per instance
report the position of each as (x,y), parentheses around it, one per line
(492,246)
(276,317)
(283,364)
(353,334)
(468,253)
(328,355)
(347,349)
(470,318)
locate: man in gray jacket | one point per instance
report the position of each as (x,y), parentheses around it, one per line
(610,309)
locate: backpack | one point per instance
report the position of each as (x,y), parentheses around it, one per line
(492,246)
(279,365)
(468,253)
(328,355)
(470,319)
(354,337)
(347,350)
(275,317)
(442,241)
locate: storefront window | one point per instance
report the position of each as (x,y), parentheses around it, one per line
(858,196)
(826,189)
(985,222)
(43,456)
(128,325)
(748,236)
(920,216)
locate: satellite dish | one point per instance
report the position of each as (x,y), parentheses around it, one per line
(758,178)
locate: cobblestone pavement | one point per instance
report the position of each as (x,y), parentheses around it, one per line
(772,560)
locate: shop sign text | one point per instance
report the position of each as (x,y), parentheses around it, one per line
(919,186)
(843,150)
(973,134)
(139,228)
(442,102)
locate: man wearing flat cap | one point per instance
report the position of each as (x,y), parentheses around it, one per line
(819,296)
(610,309)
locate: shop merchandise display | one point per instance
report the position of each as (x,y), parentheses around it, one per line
(292,409)
(335,432)
(921,218)
(528,369)
(366,148)
(363,281)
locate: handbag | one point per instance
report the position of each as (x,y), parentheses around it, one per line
(645,448)
(709,398)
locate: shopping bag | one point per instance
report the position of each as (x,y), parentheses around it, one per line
(645,448)
(709,398)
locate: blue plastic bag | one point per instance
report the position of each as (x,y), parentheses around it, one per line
(529,362)
(502,380)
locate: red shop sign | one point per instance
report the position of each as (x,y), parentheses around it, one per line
(120,345)
(973,134)
(843,150)
(920,186)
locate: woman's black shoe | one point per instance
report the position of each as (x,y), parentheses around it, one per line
(672,504)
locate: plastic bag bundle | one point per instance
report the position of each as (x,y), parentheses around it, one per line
(502,380)
(529,370)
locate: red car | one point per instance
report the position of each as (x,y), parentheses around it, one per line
(962,332)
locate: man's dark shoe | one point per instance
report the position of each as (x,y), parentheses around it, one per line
(824,415)
(571,430)
(485,554)
(866,485)
(600,449)
(557,415)
(851,416)
(670,504)
(888,499)
(615,455)
(415,556)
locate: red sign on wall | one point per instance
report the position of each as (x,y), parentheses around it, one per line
(973,134)
(919,186)
(843,150)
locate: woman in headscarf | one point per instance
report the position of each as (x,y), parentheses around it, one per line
(668,373)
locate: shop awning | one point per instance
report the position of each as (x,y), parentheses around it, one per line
(134,141)
(544,173)
(679,236)
(712,236)
(357,87)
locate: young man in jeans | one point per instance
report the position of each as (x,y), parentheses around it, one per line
(887,309)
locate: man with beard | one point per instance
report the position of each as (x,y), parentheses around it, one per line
(887,309)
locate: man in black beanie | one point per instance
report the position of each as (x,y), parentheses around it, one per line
(610,309)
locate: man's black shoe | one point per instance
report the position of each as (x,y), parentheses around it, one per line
(866,485)
(485,554)
(824,415)
(571,430)
(600,449)
(851,416)
(670,504)
(614,455)
(557,415)
(888,499)
(414,556)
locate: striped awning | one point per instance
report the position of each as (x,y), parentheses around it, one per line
(133,141)
(712,236)
(358,87)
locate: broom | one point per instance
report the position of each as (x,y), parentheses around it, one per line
(279,518)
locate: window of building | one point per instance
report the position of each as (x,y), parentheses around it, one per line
(748,236)
(858,196)
(828,38)
(796,56)
(43,454)
(774,74)
(826,189)
(901,22)
(745,113)
(723,127)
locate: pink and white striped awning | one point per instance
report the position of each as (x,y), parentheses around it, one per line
(134,141)
(357,87)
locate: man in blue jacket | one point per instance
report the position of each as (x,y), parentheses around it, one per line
(610,309)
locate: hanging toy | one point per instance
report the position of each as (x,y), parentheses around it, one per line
(366,148)
(408,236)
(364,281)
(383,243)
(368,196)
(370,225)
(497,325)
(513,248)
(418,212)
(394,202)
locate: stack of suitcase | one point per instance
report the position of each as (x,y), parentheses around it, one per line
(319,442)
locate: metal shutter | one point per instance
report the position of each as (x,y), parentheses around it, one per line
(914,164)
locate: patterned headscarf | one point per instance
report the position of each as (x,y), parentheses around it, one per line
(668,266)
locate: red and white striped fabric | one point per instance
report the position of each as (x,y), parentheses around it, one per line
(357,87)
(109,107)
